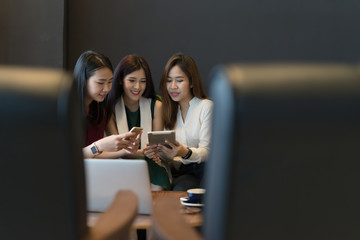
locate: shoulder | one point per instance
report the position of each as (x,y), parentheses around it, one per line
(158,104)
(204,108)
(204,103)
(157,108)
(146,100)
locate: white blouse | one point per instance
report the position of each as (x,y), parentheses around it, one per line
(195,132)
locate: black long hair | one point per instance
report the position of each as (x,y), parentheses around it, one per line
(85,67)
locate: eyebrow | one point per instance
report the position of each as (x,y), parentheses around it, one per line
(136,78)
(176,77)
(103,79)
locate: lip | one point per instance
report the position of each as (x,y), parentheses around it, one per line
(136,93)
(174,94)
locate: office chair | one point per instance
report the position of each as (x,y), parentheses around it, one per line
(42,178)
(284,160)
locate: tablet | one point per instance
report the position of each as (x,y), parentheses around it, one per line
(159,137)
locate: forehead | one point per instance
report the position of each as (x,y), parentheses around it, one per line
(137,74)
(176,71)
(102,73)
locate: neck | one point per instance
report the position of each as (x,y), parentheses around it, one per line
(184,107)
(131,104)
(184,104)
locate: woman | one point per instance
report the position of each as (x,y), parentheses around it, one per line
(186,110)
(133,101)
(93,74)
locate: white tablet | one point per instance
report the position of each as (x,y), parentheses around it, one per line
(159,137)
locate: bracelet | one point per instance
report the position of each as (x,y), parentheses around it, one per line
(188,155)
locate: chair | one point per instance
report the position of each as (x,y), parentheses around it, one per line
(284,161)
(116,221)
(41,167)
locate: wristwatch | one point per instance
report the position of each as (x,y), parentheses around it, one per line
(188,154)
(95,149)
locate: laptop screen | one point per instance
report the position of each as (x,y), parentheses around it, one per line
(105,177)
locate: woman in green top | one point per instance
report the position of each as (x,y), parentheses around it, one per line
(133,102)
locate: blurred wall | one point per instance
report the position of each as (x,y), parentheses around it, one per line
(214,31)
(54,33)
(31,32)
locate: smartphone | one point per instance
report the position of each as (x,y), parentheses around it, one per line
(159,137)
(136,130)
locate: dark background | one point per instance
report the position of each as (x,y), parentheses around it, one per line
(54,33)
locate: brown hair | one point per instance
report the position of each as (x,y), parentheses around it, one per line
(188,66)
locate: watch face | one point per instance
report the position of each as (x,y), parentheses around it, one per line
(93,149)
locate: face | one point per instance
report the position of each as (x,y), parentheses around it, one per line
(99,84)
(134,85)
(178,85)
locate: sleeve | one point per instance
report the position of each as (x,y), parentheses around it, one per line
(200,154)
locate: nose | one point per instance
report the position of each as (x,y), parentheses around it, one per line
(137,85)
(107,87)
(173,84)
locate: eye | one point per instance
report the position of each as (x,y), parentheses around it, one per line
(143,81)
(100,83)
(169,80)
(179,80)
(131,80)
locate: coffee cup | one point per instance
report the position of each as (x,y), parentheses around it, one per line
(196,195)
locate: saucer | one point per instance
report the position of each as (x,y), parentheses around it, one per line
(184,201)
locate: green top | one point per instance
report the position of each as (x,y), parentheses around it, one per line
(158,174)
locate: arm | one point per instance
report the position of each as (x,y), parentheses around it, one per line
(112,143)
(113,155)
(158,123)
(200,154)
(203,134)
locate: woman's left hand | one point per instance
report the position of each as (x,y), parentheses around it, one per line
(175,150)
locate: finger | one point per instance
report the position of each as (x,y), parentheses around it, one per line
(162,148)
(126,135)
(170,144)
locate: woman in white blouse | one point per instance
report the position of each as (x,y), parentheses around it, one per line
(186,110)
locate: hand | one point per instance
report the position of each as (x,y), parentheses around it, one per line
(157,160)
(175,150)
(133,143)
(150,151)
(113,143)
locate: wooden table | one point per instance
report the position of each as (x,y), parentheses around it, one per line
(143,221)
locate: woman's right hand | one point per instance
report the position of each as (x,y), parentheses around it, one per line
(115,143)
(150,151)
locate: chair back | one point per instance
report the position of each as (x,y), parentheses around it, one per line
(284,161)
(41,166)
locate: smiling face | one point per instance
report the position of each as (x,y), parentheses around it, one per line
(99,85)
(134,85)
(178,85)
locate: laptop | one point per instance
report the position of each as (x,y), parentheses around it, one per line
(105,177)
